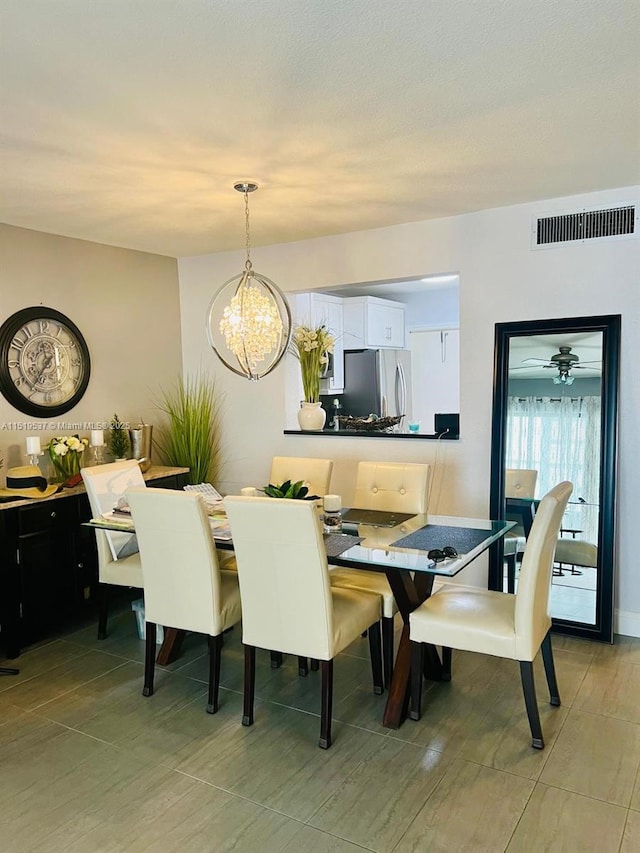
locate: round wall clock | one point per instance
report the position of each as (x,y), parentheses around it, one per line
(44,362)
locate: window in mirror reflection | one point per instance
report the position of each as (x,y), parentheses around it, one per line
(553,428)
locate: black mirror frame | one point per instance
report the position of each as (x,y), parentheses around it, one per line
(609,325)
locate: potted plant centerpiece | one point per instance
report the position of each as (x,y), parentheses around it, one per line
(294,491)
(311,347)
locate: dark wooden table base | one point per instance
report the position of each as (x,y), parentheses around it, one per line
(171,645)
(409,594)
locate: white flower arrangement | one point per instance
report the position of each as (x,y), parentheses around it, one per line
(311,347)
(61,446)
(66,452)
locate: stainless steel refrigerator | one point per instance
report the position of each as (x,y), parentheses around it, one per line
(377,381)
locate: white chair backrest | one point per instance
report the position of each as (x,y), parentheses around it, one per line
(105,485)
(532,620)
(178,556)
(315,472)
(520,482)
(392,486)
(283,575)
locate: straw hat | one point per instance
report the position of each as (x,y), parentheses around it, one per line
(27,482)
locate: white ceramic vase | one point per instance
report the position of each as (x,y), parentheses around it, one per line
(311,416)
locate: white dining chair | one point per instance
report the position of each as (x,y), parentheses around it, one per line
(391,486)
(288,603)
(118,557)
(518,483)
(183,585)
(316,473)
(497,623)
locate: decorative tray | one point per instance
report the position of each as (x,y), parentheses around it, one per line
(369,424)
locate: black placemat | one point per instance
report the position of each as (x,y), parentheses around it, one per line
(336,543)
(463,539)
(376,517)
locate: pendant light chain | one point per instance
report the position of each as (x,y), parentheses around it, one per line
(248,263)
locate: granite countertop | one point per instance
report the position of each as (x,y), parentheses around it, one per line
(154,473)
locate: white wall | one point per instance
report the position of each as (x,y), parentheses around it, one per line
(501,279)
(125,303)
(438,308)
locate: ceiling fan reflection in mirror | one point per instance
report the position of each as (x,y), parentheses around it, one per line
(563,361)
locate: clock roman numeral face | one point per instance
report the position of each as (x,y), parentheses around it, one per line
(45,362)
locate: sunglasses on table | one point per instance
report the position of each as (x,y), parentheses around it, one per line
(438,555)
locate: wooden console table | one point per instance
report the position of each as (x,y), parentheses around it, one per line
(48,561)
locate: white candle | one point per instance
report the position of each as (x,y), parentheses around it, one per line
(332,503)
(33,445)
(249,492)
(97,438)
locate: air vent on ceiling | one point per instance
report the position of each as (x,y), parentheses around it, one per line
(613,223)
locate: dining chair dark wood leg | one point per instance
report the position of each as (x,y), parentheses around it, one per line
(276,660)
(249,684)
(375,652)
(432,663)
(387,649)
(315,664)
(550,670)
(103,610)
(303,666)
(326,667)
(149,658)
(417,665)
(510,560)
(215,648)
(529,690)
(446,663)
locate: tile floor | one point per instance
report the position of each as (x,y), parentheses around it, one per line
(87,764)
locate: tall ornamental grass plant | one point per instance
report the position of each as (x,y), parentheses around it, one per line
(191,438)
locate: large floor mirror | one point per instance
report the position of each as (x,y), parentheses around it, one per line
(554,418)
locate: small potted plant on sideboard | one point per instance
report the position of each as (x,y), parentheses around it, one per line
(118,438)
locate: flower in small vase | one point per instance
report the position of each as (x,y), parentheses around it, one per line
(65,453)
(312,347)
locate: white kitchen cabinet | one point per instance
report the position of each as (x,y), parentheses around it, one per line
(371,323)
(317,309)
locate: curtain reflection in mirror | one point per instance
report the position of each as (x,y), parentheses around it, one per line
(560,438)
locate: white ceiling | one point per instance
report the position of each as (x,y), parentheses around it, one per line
(128,121)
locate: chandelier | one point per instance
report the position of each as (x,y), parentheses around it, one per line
(249,321)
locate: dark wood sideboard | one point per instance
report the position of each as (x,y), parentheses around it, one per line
(48,561)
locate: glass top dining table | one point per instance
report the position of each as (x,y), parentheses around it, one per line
(382,548)
(410,571)
(402,553)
